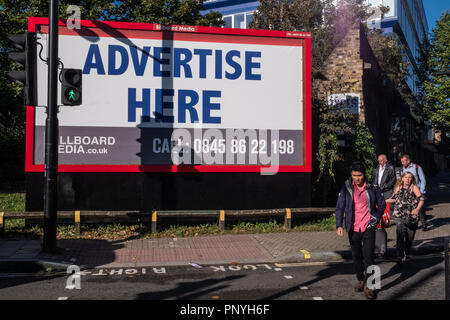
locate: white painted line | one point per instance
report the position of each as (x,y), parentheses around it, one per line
(277,269)
(63,298)
(288,277)
(303,288)
(317,298)
(303,264)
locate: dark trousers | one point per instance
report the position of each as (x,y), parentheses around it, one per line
(362,244)
(422,214)
(405,236)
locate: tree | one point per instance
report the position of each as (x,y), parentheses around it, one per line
(185,12)
(437,86)
(13,19)
(328,21)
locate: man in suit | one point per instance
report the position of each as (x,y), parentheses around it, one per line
(384,176)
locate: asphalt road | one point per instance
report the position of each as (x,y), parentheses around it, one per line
(420,279)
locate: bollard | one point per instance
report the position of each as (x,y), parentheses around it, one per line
(447,269)
(77,223)
(287,219)
(222,220)
(154,221)
(2,222)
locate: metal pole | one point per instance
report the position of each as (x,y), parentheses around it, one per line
(51,136)
(447,269)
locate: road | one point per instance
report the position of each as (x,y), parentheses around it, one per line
(420,279)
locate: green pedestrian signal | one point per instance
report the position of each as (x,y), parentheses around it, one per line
(71,87)
(72,95)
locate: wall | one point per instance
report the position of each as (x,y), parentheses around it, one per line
(167,191)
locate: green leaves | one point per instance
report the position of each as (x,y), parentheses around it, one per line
(14,19)
(365,148)
(437,87)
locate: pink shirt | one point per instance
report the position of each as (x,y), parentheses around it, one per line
(361,214)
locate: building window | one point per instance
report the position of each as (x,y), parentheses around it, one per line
(228,21)
(238,20)
(391,5)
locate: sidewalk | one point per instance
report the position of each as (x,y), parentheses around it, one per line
(223,249)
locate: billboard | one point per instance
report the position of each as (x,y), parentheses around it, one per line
(159,98)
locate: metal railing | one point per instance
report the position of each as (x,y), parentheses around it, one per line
(152,217)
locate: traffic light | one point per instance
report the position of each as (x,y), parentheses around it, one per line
(26,42)
(71,87)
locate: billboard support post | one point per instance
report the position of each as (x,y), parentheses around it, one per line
(51,136)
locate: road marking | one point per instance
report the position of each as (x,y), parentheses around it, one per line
(63,298)
(306,253)
(301,264)
(288,277)
(277,269)
(317,298)
(303,288)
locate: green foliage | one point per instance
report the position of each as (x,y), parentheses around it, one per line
(186,12)
(12,202)
(327,22)
(14,19)
(437,85)
(365,148)
(16,228)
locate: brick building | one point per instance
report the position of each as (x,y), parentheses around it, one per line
(352,70)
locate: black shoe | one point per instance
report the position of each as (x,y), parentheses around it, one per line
(425,227)
(369,293)
(359,286)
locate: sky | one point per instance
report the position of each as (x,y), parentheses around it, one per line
(434,9)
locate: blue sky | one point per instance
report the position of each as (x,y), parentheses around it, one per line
(434,9)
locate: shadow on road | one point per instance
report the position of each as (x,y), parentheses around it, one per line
(409,270)
(189,290)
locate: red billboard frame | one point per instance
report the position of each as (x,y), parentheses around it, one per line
(248,36)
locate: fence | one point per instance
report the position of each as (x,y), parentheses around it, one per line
(152,217)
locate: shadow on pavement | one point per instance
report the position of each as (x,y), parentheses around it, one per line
(189,290)
(84,253)
(409,270)
(339,269)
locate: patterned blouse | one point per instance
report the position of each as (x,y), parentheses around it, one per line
(405,202)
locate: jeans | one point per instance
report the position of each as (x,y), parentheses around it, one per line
(362,244)
(405,236)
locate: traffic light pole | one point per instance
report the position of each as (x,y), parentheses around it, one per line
(51,136)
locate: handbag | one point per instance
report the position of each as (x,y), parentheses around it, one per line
(385,221)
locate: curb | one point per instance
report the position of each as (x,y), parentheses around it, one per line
(324,257)
(33,265)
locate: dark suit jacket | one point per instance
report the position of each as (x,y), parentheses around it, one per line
(388,180)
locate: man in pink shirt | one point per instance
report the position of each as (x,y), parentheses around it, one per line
(363,205)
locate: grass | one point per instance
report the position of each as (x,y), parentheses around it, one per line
(17,228)
(12,202)
(15,202)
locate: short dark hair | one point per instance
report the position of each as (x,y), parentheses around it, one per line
(406,156)
(358,166)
